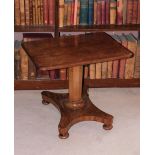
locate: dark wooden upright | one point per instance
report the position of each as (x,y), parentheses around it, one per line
(73,52)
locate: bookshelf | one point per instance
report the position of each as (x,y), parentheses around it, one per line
(62,84)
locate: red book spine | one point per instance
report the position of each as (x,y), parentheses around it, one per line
(51,12)
(63,74)
(115,69)
(129,11)
(31,12)
(107,10)
(103,12)
(99,15)
(119,12)
(45,13)
(138,15)
(52,74)
(135,12)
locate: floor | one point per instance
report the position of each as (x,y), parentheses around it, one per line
(36,130)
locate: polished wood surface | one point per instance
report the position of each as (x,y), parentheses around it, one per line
(77,50)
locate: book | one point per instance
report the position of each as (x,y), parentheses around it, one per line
(27,12)
(129,11)
(45,11)
(75,12)
(63,74)
(109,69)
(86,72)
(107,10)
(137,62)
(99,13)
(34,12)
(138,13)
(124,43)
(98,71)
(61,13)
(52,12)
(78,13)
(92,71)
(17,70)
(103,12)
(95,12)
(90,11)
(130,63)
(69,9)
(65,14)
(124,11)
(22,12)
(119,12)
(31,12)
(113,8)
(17,12)
(41,12)
(104,70)
(135,12)
(83,12)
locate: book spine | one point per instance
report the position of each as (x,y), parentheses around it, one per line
(107,10)
(45,12)
(113,7)
(41,12)
(86,72)
(69,14)
(34,12)
(24,64)
(92,71)
(99,13)
(31,12)
(98,70)
(17,12)
(95,12)
(115,69)
(61,13)
(104,70)
(119,12)
(90,11)
(51,12)
(22,12)
(75,12)
(78,13)
(135,12)
(103,9)
(63,74)
(72,12)
(52,74)
(124,11)
(83,12)
(138,14)
(109,72)
(27,12)
(129,11)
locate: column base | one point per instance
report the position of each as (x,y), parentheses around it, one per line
(89,112)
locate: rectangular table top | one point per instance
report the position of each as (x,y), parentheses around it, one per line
(69,51)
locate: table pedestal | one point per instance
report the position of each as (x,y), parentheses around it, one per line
(75,106)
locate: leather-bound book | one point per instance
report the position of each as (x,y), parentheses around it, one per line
(34,12)
(63,74)
(78,13)
(31,11)
(41,12)
(22,12)
(17,12)
(72,12)
(24,64)
(122,61)
(137,62)
(90,12)
(65,13)
(52,12)
(135,12)
(103,11)
(95,12)
(99,13)
(83,12)
(98,70)
(107,10)
(61,13)
(130,63)
(27,12)
(69,13)
(104,70)
(113,8)
(119,12)
(92,71)
(129,11)
(45,12)
(138,13)
(86,71)
(124,11)
(109,72)
(75,12)
(17,71)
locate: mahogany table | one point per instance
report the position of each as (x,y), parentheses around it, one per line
(73,52)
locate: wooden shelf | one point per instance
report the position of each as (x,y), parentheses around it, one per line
(36,28)
(87,28)
(63,84)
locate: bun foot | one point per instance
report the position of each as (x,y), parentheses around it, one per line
(64,136)
(107,127)
(45,102)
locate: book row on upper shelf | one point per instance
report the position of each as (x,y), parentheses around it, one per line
(77,12)
(122,69)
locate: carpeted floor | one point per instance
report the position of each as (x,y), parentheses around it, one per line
(36,130)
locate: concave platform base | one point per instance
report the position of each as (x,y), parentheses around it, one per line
(89,112)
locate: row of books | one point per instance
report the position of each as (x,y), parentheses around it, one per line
(34,12)
(122,69)
(98,12)
(77,12)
